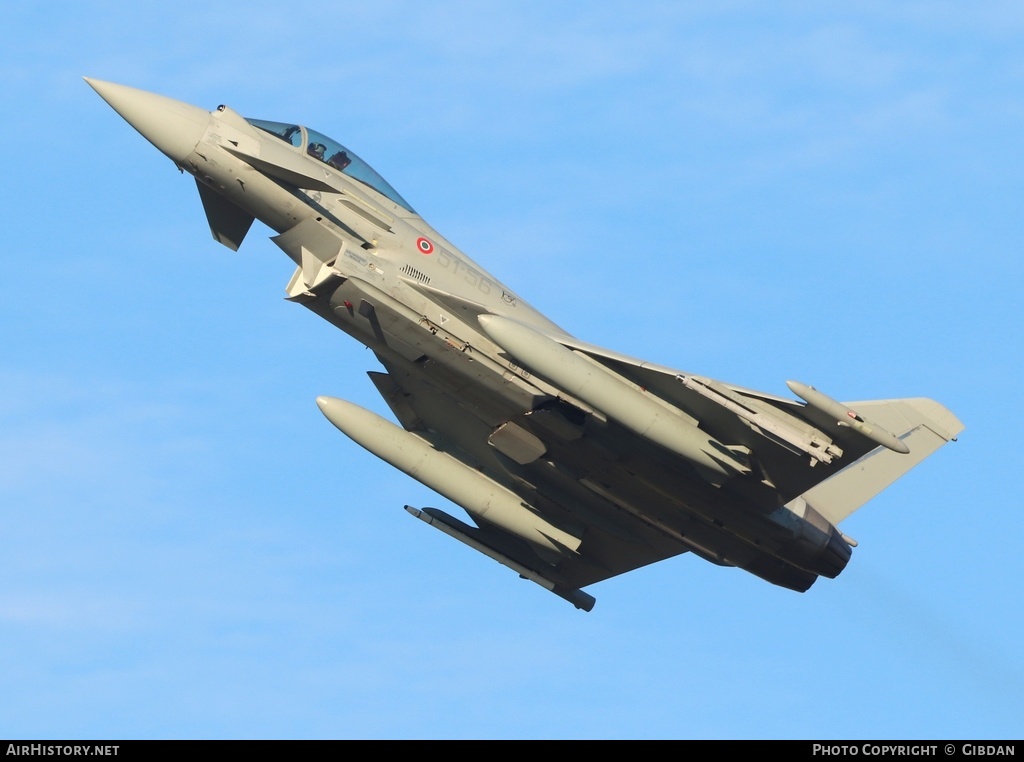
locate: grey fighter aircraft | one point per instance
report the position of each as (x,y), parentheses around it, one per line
(573,462)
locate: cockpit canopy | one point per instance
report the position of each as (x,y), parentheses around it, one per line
(333,153)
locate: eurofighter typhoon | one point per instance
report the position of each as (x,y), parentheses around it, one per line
(574,463)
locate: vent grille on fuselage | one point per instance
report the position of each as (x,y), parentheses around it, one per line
(412,272)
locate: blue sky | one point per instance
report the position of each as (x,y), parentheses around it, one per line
(754,192)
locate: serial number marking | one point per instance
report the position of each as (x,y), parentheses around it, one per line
(473,276)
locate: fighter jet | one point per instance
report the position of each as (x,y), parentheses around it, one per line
(573,463)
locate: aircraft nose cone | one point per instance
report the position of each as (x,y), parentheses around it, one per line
(172,126)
